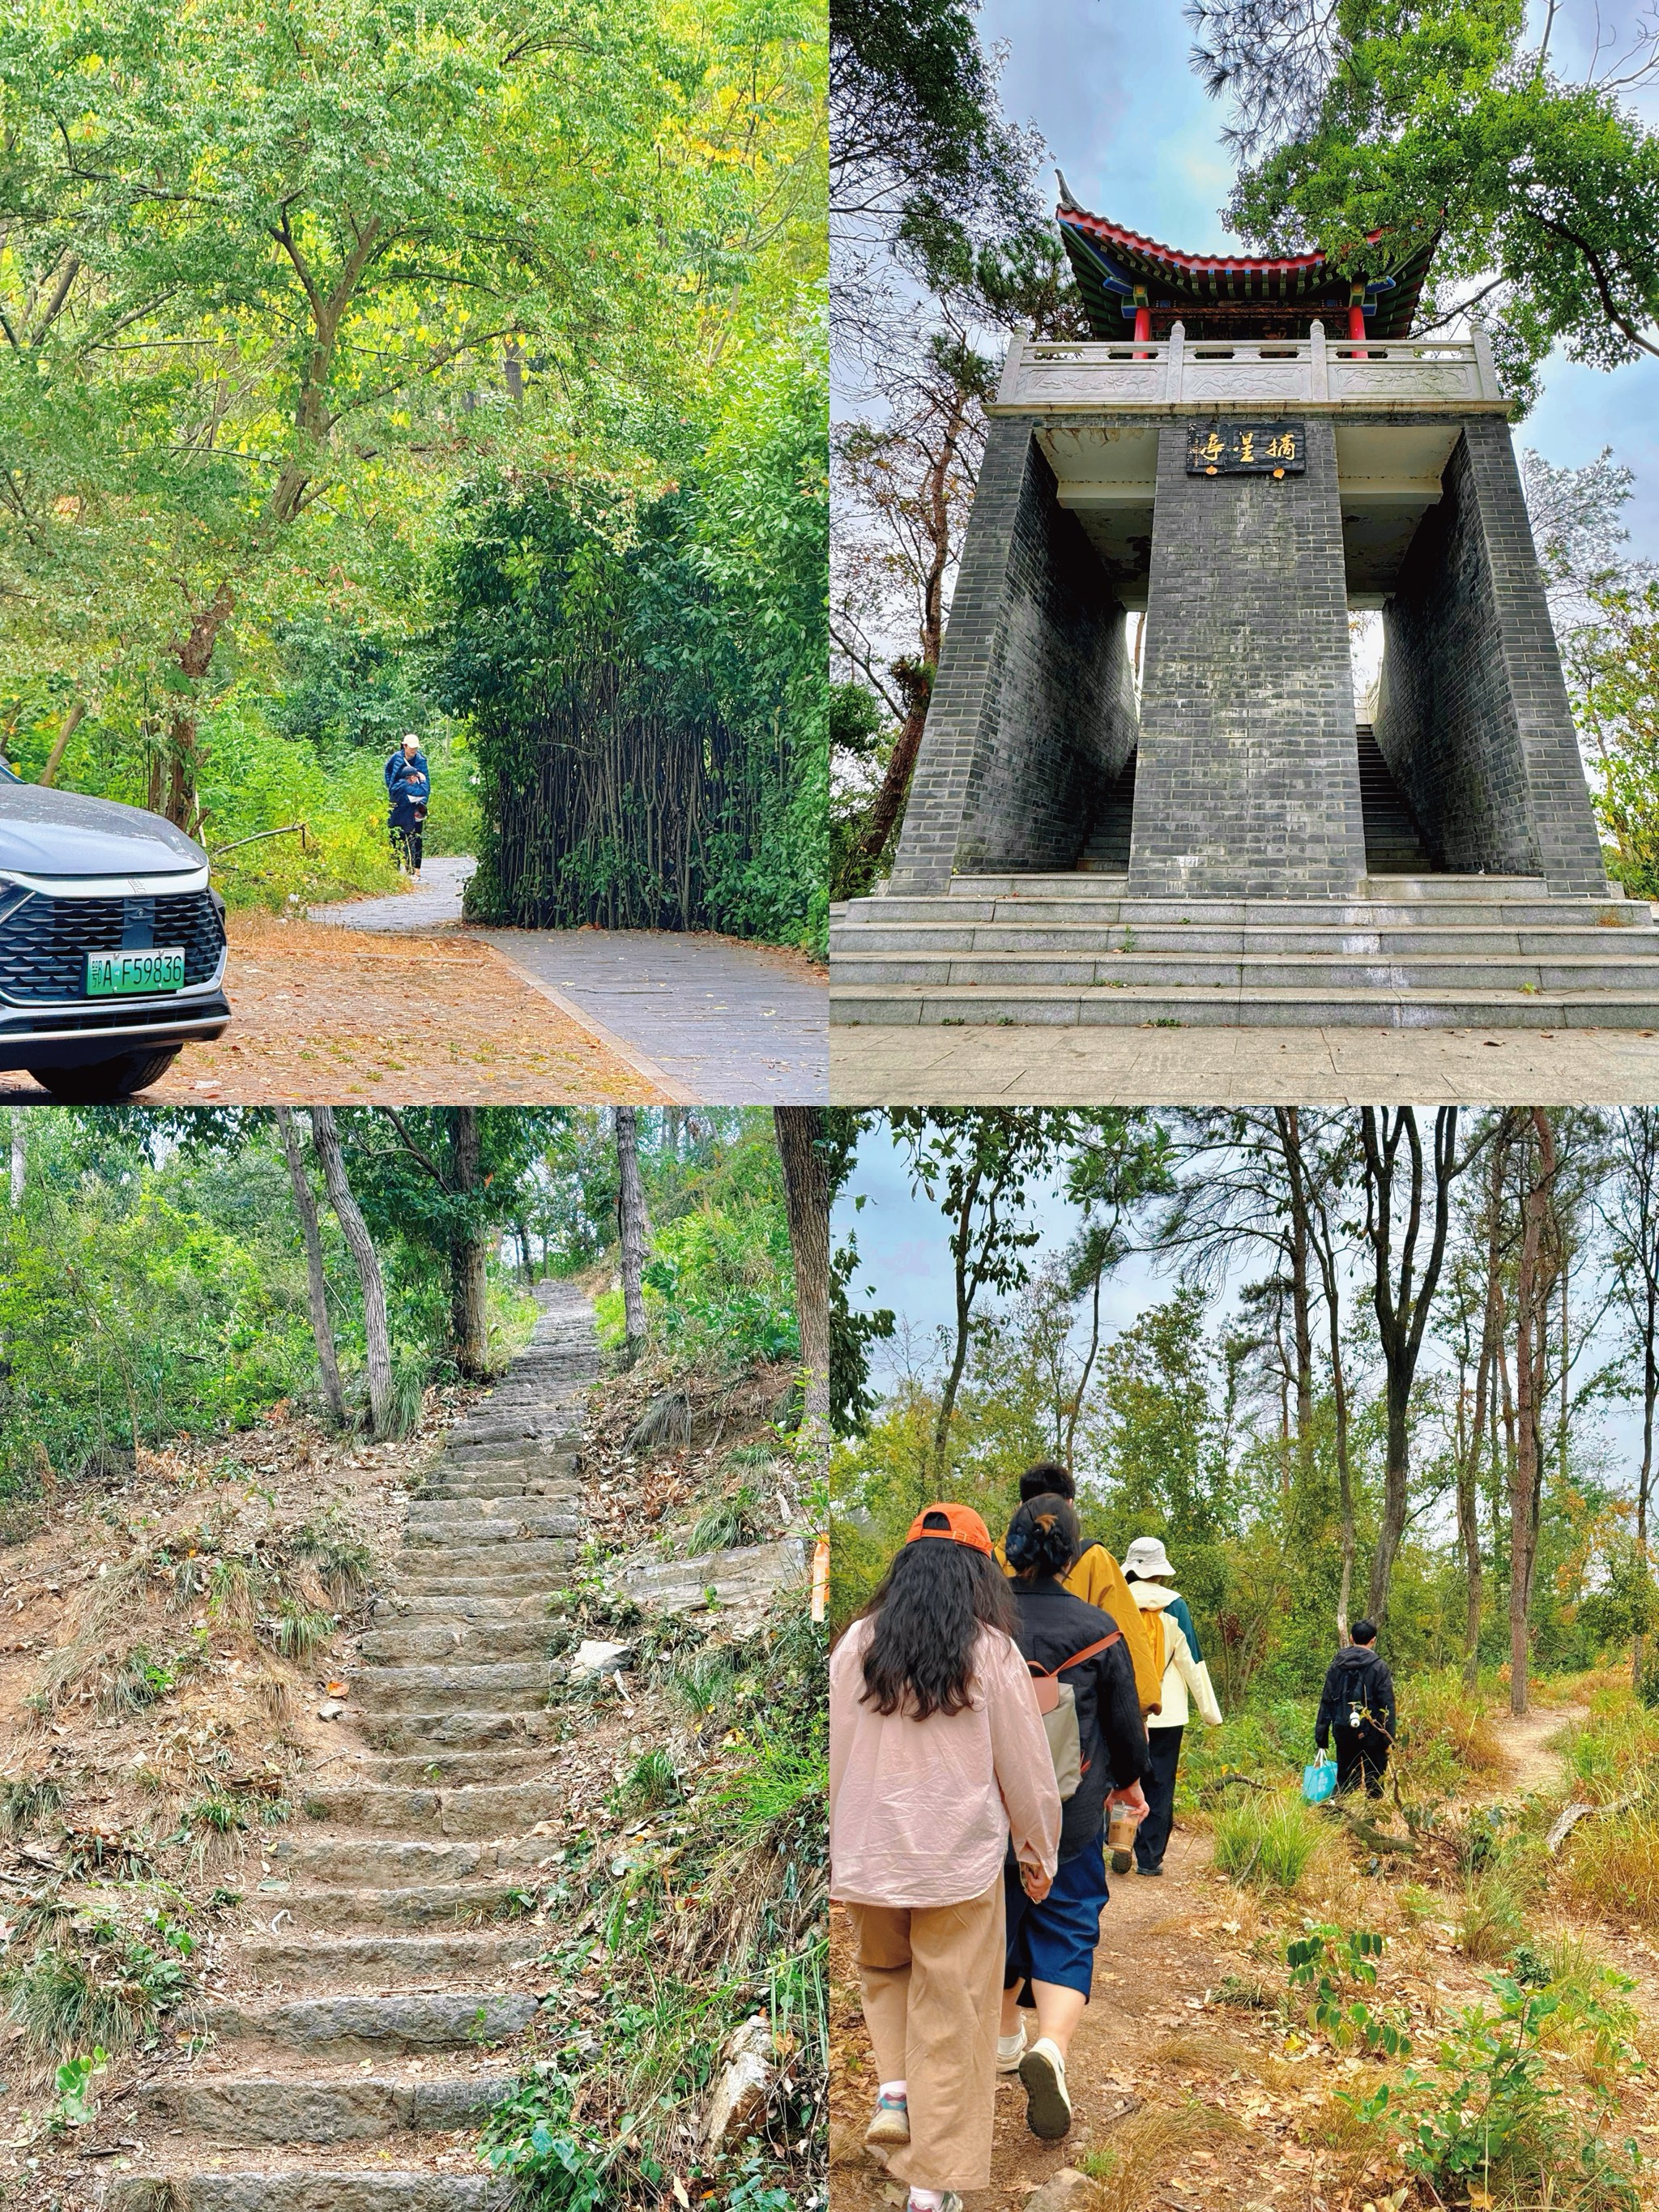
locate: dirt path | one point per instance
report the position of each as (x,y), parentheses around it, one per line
(326,1016)
(1165,1945)
(1526,1744)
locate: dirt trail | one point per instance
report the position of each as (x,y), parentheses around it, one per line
(1165,1944)
(1526,1742)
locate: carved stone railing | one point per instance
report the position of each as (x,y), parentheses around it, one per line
(1040,373)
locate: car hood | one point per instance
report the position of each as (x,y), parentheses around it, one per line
(64,833)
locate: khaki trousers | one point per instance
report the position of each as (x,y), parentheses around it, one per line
(932,1982)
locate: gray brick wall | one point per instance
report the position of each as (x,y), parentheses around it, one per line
(1248,782)
(1033,707)
(1474,718)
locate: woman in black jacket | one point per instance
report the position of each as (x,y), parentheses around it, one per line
(1051,1946)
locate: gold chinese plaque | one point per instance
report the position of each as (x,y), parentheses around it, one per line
(1246,449)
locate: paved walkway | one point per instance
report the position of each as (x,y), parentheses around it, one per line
(435,900)
(730,1025)
(708,1019)
(1110,1067)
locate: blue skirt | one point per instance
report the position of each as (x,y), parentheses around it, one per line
(1054,1942)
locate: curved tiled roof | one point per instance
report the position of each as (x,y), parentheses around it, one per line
(1217,294)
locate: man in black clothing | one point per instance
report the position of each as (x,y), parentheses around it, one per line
(1357,1707)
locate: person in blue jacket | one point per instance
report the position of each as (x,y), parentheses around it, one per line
(409,789)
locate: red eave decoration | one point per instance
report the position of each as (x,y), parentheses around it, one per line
(1197,263)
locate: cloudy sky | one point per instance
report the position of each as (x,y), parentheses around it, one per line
(905,1264)
(1109,87)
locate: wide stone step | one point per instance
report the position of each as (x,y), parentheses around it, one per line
(431,1733)
(1389,900)
(464,1640)
(442,1768)
(897,1003)
(437,1581)
(384,1862)
(515,1556)
(1259,971)
(502,1488)
(400,1607)
(1575,940)
(507,1685)
(277,2108)
(478,1525)
(469,1809)
(430,1904)
(360,2026)
(305,2189)
(386,1962)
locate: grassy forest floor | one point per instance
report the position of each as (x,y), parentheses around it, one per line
(1198,2081)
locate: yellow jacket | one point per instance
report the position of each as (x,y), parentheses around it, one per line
(1097,1579)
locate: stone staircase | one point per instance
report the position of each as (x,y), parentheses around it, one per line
(1106,851)
(1393,846)
(1425,951)
(383,1976)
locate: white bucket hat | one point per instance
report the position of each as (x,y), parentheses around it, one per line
(1147,1556)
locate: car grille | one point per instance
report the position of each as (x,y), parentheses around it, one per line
(45,941)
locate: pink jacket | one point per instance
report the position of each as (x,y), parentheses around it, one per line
(921,1812)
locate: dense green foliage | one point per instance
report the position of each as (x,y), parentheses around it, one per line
(277,282)
(1444,118)
(152,1284)
(647,683)
(719,1281)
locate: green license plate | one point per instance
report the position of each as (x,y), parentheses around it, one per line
(127,974)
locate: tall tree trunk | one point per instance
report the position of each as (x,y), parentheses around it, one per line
(964,1307)
(70,723)
(632,1228)
(801,1131)
(316,1283)
(1650,1393)
(1531,1301)
(366,1259)
(1308,1200)
(469,1248)
(195,657)
(1402,1311)
(1468,1471)
(915,679)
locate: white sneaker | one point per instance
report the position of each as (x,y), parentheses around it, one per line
(1048,2102)
(1010,2049)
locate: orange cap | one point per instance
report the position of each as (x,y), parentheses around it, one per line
(965,1526)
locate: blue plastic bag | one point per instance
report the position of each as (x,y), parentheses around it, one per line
(1319,1781)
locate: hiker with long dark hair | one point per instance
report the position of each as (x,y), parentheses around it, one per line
(939,1767)
(1099,1745)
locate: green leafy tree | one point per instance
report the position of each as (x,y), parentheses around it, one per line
(1449,118)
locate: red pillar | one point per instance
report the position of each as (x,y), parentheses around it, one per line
(1143,324)
(1356,319)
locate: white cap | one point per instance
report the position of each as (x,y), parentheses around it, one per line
(1147,1556)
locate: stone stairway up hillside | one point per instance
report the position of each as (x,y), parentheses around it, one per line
(1424,951)
(383,1976)
(1393,846)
